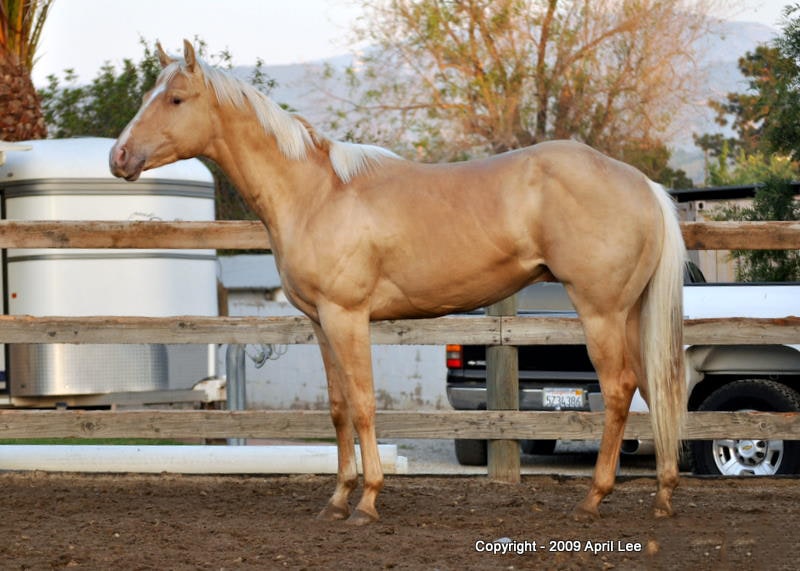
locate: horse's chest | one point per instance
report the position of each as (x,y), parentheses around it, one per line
(299,292)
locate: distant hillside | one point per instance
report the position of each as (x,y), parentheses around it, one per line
(718,54)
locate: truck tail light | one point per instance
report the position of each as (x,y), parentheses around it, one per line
(455,357)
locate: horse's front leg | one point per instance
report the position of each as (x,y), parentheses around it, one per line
(347,473)
(348,343)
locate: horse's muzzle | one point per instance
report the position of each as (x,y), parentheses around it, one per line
(124,164)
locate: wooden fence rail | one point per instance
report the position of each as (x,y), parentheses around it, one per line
(297,330)
(243,235)
(483,424)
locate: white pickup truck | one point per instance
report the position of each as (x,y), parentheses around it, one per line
(719,377)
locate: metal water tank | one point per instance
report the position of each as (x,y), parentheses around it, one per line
(69,179)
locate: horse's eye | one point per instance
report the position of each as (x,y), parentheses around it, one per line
(176,100)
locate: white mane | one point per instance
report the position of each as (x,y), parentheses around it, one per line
(291,134)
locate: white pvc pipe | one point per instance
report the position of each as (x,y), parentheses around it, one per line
(187,459)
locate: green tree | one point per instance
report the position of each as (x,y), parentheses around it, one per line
(774,200)
(103,107)
(757,114)
(783,133)
(752,168)
(765,149)
(766,117)
(21,23)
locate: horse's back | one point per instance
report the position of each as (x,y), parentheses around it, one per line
(554,209)
(577,199)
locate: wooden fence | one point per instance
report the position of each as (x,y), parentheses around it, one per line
(499,330)
(240,235)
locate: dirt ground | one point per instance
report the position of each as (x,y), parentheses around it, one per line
(140,522)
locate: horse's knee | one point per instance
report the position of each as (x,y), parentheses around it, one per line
(363,417)
(340,414)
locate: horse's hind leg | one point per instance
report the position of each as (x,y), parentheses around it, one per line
(667,474)
(613,348)
(347,474)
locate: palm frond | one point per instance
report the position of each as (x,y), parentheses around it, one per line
(21,23)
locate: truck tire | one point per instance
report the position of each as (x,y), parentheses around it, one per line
(731,457)
(472,452)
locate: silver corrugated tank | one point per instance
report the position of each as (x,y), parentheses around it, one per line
(69,180)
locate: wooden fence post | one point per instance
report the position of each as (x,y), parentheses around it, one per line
(502,393)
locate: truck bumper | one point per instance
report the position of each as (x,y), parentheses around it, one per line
(463,397)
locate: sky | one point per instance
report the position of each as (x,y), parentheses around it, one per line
(83,34)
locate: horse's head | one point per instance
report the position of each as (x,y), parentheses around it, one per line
(174,121)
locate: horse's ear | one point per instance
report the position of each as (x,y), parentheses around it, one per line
(162,55)
(188,55)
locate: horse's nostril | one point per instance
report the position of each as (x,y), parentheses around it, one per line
(118,156)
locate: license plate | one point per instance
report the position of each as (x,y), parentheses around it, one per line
(564,398)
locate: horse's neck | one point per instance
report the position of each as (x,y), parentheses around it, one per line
(274,187)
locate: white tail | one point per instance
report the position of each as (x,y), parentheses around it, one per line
(662,336)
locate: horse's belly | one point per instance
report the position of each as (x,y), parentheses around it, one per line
(447,292)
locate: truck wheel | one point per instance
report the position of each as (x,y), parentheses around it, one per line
(731,457)
(543,447)
(472,452)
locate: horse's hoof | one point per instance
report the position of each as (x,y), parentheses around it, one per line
(585,515)
(360,517)
(662,512)
(662,506)
(333,513)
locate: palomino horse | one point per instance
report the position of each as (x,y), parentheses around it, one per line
(360,234)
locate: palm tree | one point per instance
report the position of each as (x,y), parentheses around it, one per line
(21,24)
